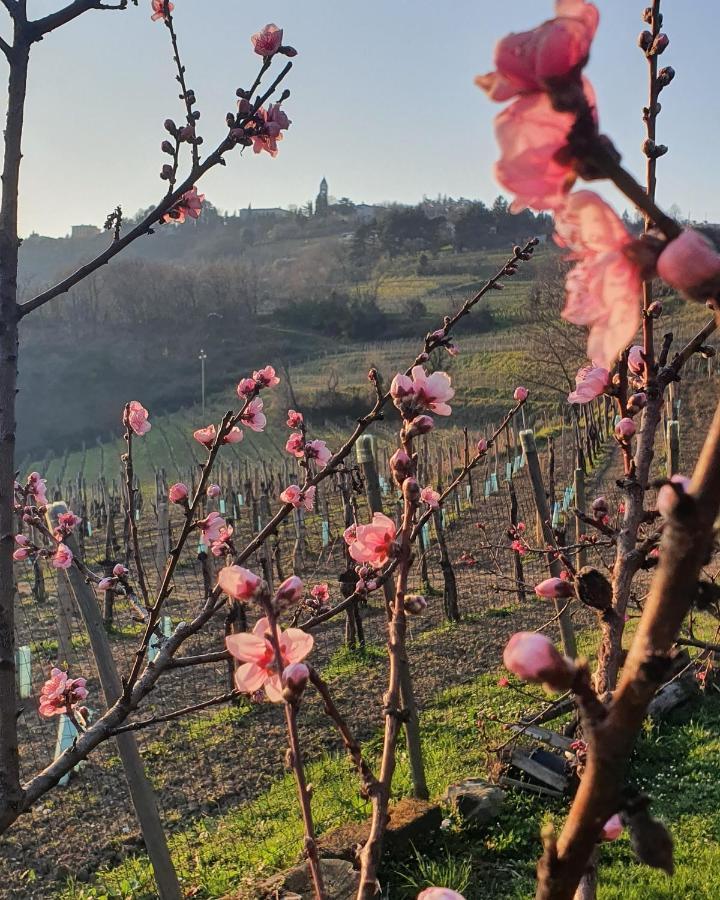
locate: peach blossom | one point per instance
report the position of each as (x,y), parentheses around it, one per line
(298,498)
(258,655)
(212,526)
(68,521)
(612,829)
(63,558)
(22,540)
(625,429)
(555,588)
(430,497)
(667,496)
(254,417)
(266,377)
(106,584)
(636,360)
(136,418)
(190,204)
(295,444)
(158,8)
(246,388)
(205,436)
(38,488)
(373,543)
(291,591)
(234,436)
(482,446)
(238,583)
(20,554)
(520,394)
(178,493)
(294,419)
(590,382)
(533,657)
(119,571)
(350,534)
(294,681)
(221,545)
(319,451)
(320,592)
(603,289)
(59,694)
(544,57)
(689,263)
(268,41)
(213,491)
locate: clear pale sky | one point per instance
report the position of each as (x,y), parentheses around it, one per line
(383,102)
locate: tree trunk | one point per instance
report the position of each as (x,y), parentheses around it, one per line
(10,790)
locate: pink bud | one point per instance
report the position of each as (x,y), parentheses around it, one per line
(238,583)
(533,657)
(520,394)
(689,262)
(637,402)
(106,583)
(22,540)
(636,360)
(290,591)
(555,588)
(436,893)
(213,491)
(415,604)
(668,496)
(625,429)
(420,425)
(119,571)
(482,446)
(612,829)
(401,466)
(21,553)
(294,681)
(178,493)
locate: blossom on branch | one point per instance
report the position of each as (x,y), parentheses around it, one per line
(190,204)
(234,436)
(418,391)
(319,451)
(590,382)
(266,378)
(239,583)
(213,527)
(603,289)
(691,264)
(268,41)
(431,497)
(294,418)
(136,418)
(266,128)
(320,593)
(298,498)
(63,558)
(254,417)
(257,653)
(213,491)
(534,658)
(38,488)
(669,494)
(373,543)
(159,9)
(60,694)
(205,436)
(555,589)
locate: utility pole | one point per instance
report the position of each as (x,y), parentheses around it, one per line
(202,357)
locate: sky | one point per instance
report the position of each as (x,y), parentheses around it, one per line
(383,102)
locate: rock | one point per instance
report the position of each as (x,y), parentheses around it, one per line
(340,878)
(477,801)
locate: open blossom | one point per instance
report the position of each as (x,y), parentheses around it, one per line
(254,417)
(320,593)
(423,391)
(319,451)
(294,495)
(555,588)
(373,543)
(294,419)
(190,204)
(533,657)
(136,418)
(541,59)
(205,436)
(60,694)
(238,583)
(431,497)
(612,829)
(590,382)
(178,493)
(234,436)
(213,491)
(350,534)
(295,444)
(268,41)
(668,495)
(691,264)
(158,9)
(120,571)
(603,289)
(259,669)
(246,388)
(519,547)
(221,545)
(63,558)
(212,526)
(266,377)
(38,488)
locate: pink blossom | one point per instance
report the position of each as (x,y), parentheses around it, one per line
(400,465)
(20,554)
(221,545)
(238,583)
(543,58)
(321,593)
(258,655)
(38,488)
(424,391)
(212,526)
(612,829)
(213,491)
(482,446)
(22,540)
(350,534)
(68,521)
(319,451)
(373,543)
(234,436)
(415,604)
(136,418)
(298,498)
(436,893)
(420,425)
(431,497)
(636,360)
(520,394)
(190,204)
(294,681)
(105,584)
(246,388)
(119,571)
(294,419)
(291,591)
(533,657)
(667,496)
(205,436)
(691,264)
(268,41)
(625,429)
(62,558)
(534,164)
(519,547)
(178,493)
(590,382)
(254,417)
(158,8)
(60,694)
(295,444)
(603,289)
(555,588)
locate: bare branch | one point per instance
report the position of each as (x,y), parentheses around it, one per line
(40,27)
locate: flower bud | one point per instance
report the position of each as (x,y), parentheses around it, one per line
(665,76)
(170,126)
(691,264)
(289,593)
(22,540)
(167,147)
(668,494)
(105,584)
(482,446)
(178,493)
(119,571)
(415,604)
(625,429)
(401,466)
(645,40)
(520,394)
(21,553)
(555,589)
(637,402)
(655,309)
(612,829)
(411,490)
(419,425)
(294,681)
(534,658)
(660,44)
(213,491)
